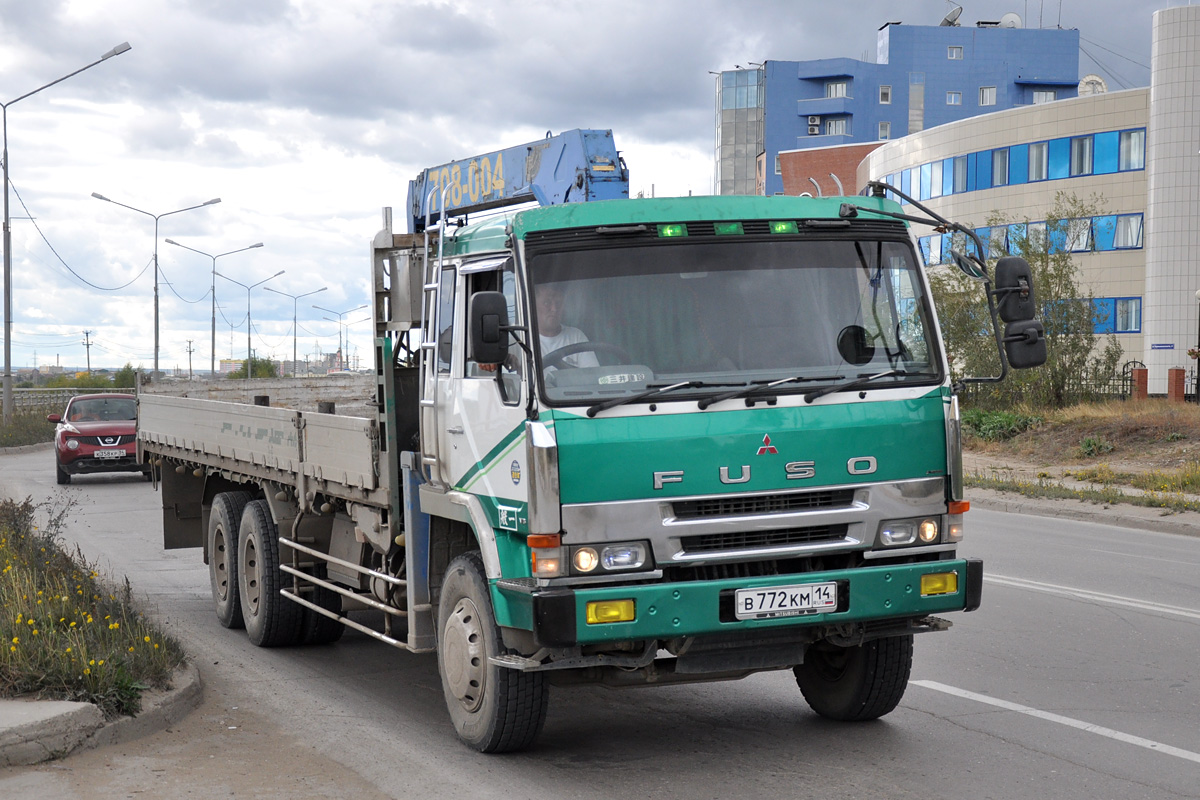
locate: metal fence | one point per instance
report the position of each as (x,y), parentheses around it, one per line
(1087,386)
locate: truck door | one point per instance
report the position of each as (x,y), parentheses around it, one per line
(485,419)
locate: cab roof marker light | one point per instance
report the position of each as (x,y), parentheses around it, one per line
(728,228)
(784,226)
(673,230)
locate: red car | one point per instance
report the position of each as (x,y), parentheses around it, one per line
(97,433)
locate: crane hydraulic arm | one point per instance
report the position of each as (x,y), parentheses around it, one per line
(571,167)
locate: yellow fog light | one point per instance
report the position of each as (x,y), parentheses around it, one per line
(601,611)
(939,583)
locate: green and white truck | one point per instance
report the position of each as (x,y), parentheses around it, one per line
(623,441)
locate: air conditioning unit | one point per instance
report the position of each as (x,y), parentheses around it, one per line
(814,120)
(814,130)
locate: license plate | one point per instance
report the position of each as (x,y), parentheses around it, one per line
(785,601)
(110,454)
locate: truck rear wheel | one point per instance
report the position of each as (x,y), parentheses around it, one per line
(318,628)
(495,709)
(223,521)
(853,684)
(271,619)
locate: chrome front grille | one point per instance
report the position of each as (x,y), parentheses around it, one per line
(753,540)
(752,505)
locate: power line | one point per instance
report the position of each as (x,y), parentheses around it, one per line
(1114,52)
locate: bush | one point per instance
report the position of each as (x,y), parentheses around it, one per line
(64,634)
(996,426)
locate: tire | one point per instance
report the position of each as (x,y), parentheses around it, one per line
(494,709)
(271,619)
(223,522)
(854,684)
(61,476)
(318,628)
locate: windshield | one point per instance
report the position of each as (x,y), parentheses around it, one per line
(616,321)
(101,409)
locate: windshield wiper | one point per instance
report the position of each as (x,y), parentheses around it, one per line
(863,380)
(755,388)
(633,398)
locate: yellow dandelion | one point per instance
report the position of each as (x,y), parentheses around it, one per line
(146,639)
(87,671)
(68,649)
(16,640)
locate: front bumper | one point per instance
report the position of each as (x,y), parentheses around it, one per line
(88,465)
(558,616)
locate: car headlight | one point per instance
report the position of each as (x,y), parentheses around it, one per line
(72,444)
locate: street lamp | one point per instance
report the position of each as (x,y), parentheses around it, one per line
(339,315)
(1198,348)
(8,389)
(156,218)
(212,367)
(295,328)
(249,364)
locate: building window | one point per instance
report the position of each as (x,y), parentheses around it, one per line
(837,89)
(1129,315)
(778,168)
(885,130)
(987,95)
(1131,152)
(1129,232)
(935,181)
(954,98)
(885,95)
(954,52)
(1037,161)
(835,127)
(1079,235)
(1081,156)
(1000,167)
(1044,96)
(960,174)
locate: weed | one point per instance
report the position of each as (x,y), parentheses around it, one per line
(996,426)
(1093,446)
(65,633)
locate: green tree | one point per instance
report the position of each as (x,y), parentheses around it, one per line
(125,377)
(79,382)
(262,368)
(1065,308)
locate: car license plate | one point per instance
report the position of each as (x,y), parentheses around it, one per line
(785,601)
(109,454)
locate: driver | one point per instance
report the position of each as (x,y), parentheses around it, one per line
(553,334)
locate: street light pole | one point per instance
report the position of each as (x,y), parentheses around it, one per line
(212,366)
(295,323)
(249,362)
(156,218)
(1198,347)
(8,315)
(339,315)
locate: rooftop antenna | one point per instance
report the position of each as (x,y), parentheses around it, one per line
(951,19)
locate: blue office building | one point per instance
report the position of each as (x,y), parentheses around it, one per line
(923,76)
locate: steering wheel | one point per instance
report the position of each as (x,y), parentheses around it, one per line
(555,358)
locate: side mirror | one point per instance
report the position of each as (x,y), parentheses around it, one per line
(853,345)
(1014,290)
(488,320)
(1025,344)
(968,266)
(55,418)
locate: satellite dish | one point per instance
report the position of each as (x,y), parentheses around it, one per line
(1092,84)
(951,19)
(1011,20)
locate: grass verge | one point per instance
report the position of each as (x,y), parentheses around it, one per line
(1169,501)
(27,428)
(65,634)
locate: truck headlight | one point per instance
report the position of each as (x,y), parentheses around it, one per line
(619,557)
(898,532)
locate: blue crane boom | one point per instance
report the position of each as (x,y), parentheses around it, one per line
(571,167)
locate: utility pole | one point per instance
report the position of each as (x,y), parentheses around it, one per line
(87,344)
(190,350)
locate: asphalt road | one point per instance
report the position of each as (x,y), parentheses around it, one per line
(1078,678)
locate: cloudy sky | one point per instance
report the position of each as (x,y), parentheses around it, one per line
(306,117)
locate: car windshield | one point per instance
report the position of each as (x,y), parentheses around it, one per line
(615,321)
(101,409)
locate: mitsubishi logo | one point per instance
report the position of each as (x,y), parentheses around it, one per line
(767,447)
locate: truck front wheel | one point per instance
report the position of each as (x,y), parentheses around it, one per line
(853,684)
(223,521)
(495,709)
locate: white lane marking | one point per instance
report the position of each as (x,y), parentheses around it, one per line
(1144,557)
(1098,597)
(1099,730)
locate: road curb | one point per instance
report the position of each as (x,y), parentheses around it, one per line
(1124,516)
(34,731)
(27,448)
